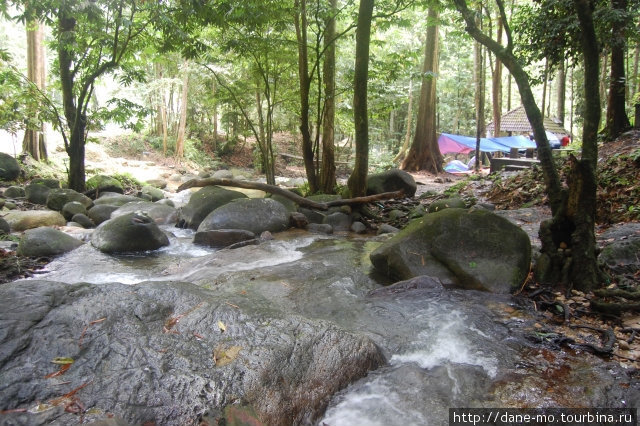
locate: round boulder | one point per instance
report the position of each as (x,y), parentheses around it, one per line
(37,193)
(203,202)
(9,167)
(155,194)
(72,208)
(447,203)
(115,199)
(160,213)
(251,214)
(101,212)
(390,181)
(471,249)
(132,232)
(57,198)
(46,242)
(83,220)
(4,226)
(14,192)
(157,183)
(103,183)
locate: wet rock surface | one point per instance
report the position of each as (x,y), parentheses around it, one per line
(203,202)
(131,232)
(168,353)
(250,214)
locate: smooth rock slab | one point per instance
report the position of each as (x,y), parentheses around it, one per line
(22,220)
(250,214)
(159,354)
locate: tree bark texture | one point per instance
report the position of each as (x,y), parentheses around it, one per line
(562,88)
(328,171)
(617,120)
(34,139)
(424,153)
(407,136)
(358,180)
(182,126)
(496,89)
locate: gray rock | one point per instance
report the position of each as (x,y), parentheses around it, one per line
(621,248)
(4,226)
(203,202)
(222,174)
(83,220)
(154,193)
(103,183)
(157,183)
(45,242)
(14,192)
(298,220)
(472,249)
(358,228)
(48,182)
(9,167)
(250,214)
(447,203)
(289,204)
(160,213)
(57,198)
(10,205)
(166,202)
(115,199)
(222,238)
(72,208)
(143,365)
(101,212)
(320,228)
(340,222)
(313,216)
(37,193)
(128,233)
(387,229)
(417,211)
(390,181)
(20,220)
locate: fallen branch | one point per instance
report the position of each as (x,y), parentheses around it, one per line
(272,189)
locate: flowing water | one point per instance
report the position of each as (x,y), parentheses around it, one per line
(445,348)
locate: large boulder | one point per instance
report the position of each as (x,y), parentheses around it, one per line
(14,192)
(621,245)
(472,249)
(250,214)
(115,199)
(57,198)
(103,183)
(153,193)
(203,202)
(22,220)
(132,232)
(161,214)
(167,353)
(9,167)
(72,208)
(46,242)
(390,181)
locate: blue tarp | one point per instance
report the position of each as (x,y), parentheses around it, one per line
(456,166)
(519,142)
(458,144)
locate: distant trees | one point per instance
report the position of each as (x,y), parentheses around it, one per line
(34,142)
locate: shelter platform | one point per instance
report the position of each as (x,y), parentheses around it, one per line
(513,163)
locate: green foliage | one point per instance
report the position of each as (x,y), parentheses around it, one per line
(128,181)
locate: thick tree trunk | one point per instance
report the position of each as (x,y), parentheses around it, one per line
(34,139)
(478,77)
(424,153)
(358,180)
(328,171)
(182,126)
(407,136)
(617,121)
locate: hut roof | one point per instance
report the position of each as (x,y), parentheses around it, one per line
(516,121)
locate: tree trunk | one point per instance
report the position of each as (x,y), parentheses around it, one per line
(305,87)
(215,114)
(496,91)
(424,153)
(183,112)
(358,180)
(617,121)
(478,76)
(562,88)
(407,136)
(328,171)
(544,87)
(34,139)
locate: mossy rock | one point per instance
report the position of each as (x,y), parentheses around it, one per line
(105,183)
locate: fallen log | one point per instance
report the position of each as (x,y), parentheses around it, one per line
(272,189)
